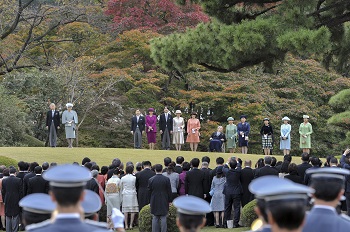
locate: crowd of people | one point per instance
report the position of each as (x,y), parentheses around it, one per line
(129,187)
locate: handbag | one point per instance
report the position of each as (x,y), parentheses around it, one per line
(212,191)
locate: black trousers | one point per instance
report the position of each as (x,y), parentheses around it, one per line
(347,195)
(235,200)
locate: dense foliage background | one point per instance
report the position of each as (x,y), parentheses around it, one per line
(284,58)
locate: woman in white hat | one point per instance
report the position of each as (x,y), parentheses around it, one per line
(70,120)
(286,128)
(178,130)
(305,131)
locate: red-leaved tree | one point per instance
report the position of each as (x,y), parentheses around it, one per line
(162,16)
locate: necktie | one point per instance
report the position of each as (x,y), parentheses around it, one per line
(53,113)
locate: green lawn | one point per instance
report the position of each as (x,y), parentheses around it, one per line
(212,229)
(104,156)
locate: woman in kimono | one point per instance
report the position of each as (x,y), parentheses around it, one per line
(70,120)
(286,128)
(178,130)
(305,131)
(231,135)
(243,129)
(151,128)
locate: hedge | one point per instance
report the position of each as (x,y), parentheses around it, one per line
(248,214)
(8,161)
(145,219)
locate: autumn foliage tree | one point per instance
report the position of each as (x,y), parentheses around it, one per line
(163,16)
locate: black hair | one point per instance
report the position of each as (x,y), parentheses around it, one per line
(171,168)
(85,160)
(190,222)
(138,167)
(67,196)
(12,170)
(158,167)
(261,204)
(333,160)
(104,170)
(22,166)
(95,167)
(195,162)
(292,168)
(167,161)
(288,214)
(305,157)
(274,161)
(45,166)
(147,163)
(327,189)
(186,166)
(180,159)
(260,163)
(315,161)
(268,160)
(53,164)
(116,162)
(88,165)
(129,169)
(29,218)
(116,171)
(32,166)
(206,159)
(38,170)
(220,160)
(287,158)
(6,172)
(233,164)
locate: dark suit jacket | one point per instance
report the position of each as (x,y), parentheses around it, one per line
(307,177)
(93,186)
(221,136)
(55,118)
(178,169)
(295,178)
(160,194)
(11,193)
(302,168)
(195,183)
(142,179)
(21,175)
(233,181)
(266,171)
(26,182)
(38,184)
(165,124)
(207,183)
(140,123)
(247,175)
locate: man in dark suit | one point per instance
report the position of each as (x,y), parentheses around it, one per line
(23,169)
(305,158)
(38,184)
(29,175)
(316,163)
(247,175)
(195,180)
(232,191)
(53,124)
(12,194)
(92,183)
(160,196)
(166,128)
(142,184)
(267,169)
(219,162)
(167,161)
(205,168)
(137,128)
(178,166)
(216,140)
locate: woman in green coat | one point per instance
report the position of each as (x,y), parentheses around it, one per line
(231,135)
(305,131)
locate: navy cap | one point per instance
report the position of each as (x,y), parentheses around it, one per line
(328,173)
(243,116)
(67,176)
(271,188)
(191,205)
(91,203)
(39,203)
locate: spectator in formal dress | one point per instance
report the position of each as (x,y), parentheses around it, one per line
(167,161)
(267,169)
(286,128)
(316,163)
(218,198)
(178,166)
(174,179)
(114,196)
(160,197)
(137,128)
(29,175)
(247,176)
(128,189)
(305,159)
(195,180)
(243,130)
(293,174)
(193,127)
(186,166)
(12,193)
(142,184)
(38,184)
(178,130)
(6,174)
(151,128)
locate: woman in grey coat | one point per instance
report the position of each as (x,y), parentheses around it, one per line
(218,198)
(70,120)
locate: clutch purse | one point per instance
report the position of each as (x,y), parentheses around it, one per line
(69,124)
(211,193)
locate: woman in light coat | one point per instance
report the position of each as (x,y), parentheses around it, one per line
(113,193)
(70,121)
(286,128)
(178,130)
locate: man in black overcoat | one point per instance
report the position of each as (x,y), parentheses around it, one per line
(166,128)
(195,184)
(247,175)
(142,179)
(267,170)
(38,184)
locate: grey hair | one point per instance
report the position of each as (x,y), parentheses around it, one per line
(94,173)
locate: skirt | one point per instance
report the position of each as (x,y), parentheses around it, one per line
(267,142)
(151,137)
(130,204)
(242,142)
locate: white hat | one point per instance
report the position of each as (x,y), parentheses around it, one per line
(285,118)
(306,116)
(178,112)
(69,105)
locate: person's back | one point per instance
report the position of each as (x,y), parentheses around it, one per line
(301,168)
(195,180)
(267,170)
(247,175)
(142,184)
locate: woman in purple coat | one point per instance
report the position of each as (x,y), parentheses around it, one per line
(151,128)
(181,188)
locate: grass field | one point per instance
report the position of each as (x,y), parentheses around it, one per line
(104,156)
